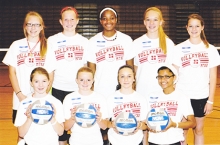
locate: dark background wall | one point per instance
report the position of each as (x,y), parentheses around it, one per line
(175,12)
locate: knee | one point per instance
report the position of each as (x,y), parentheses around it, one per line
(198,131)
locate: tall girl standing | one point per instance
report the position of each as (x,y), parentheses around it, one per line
(153,50)
(35,134)
(128,100)
(79,135)
(69,48)
(109,50)
(197,62)
(26,54)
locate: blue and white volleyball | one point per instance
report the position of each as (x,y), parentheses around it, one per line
(157,119)
(85,115)
(126,123)
(41,112)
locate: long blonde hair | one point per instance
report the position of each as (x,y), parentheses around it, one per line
(43,40)
(161,33)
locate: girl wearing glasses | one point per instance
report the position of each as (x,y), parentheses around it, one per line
(26,54)
(69,48)
(197,61)
(109,50)
(175,104)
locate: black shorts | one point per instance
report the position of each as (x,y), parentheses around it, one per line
(60,95)
(198,107)
(14,112)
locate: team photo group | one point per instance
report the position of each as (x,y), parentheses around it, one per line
(110,89)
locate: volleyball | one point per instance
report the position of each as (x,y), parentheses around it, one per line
(41,112)
(157,119)
(85,115)
(126,123)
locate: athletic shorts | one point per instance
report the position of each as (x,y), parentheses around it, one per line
(14,112)
(60,95)
(198,107)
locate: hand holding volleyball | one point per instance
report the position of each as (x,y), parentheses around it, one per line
(28,111)
(126,123)
(41,112)
(98,116)
(157,119)
(85,115)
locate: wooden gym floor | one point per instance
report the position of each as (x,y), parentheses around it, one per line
(8,133)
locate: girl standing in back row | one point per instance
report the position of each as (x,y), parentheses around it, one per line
(69,48)
(26,54)
(153,50)
(109,50)
(197,61)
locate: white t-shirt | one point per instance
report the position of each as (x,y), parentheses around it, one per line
(194,62)
(79,135)
(70,57)
(108,57)
(149,58)
(40,134)
(133,103)
(177,106)
(18,57)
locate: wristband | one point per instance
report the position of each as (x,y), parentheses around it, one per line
(177,125)
(54,123)
(18,92)
(210,102)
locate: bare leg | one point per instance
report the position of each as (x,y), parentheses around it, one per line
(62,142)
(145,139)
(185,132)
(198,131)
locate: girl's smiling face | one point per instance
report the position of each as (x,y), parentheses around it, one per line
(108,20)
(84,81)
(194,28)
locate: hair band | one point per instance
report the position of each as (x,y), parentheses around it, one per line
(100,15)
(68,8)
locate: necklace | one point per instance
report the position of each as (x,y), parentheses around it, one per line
(32,49)
(115,37)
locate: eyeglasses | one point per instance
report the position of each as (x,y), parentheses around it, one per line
(31,25)
(165,77)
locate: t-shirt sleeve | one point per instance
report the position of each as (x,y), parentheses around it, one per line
(129,50)
(66,107)
(85,51)
(187,107)
(104,109)
(59,112)
(214,58)
(176,56)
(170,49)
(144,109)
(20,116)
(50,62)
(10,57)
(90,55)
